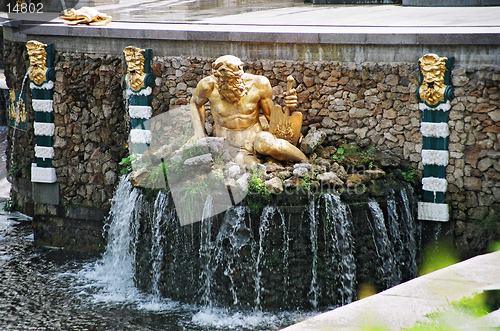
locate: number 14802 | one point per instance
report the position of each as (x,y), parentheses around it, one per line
(24,8)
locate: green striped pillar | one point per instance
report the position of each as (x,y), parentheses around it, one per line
(139,99)
(434,108)
(44,127)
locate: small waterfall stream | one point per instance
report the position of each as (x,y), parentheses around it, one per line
(116,270)
(313,292)
(277,259)
(343,244)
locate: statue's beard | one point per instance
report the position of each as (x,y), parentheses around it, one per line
(37,74)
(434,92)
(231,89)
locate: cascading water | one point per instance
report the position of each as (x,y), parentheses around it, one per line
(162,201)
(276,258)
(267,214)
(115,272)
(383,245)
(314,248)
(339,218)
(205,254)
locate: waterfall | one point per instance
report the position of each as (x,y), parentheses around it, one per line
(18,110)
(314,250)
(205,253)
(277,258)
(410,229)
(267,214)
(383,245)
(115,272)
(340,221)
(286,251)
(157,239)
(234,231)
(394,231)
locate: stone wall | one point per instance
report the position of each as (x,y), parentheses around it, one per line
(92,130)
(20,144)
(370,104)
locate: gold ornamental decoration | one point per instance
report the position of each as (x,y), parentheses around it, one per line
(38,61)
(433,87)
(135,67)
(85,15)
(283,125)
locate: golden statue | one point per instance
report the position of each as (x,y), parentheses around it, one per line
(236,99)
(282,124)
(38,61)
(85,15)
(17,108)
(433,88)
(135,67)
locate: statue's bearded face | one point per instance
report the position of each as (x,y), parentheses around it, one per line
(230,83)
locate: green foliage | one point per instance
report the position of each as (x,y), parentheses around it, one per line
(259,196)
(409,175)
(14,170)
(10,206)
(463,314)
(350,154)
(339,155)
(127,163)
(367,156)
(437,256)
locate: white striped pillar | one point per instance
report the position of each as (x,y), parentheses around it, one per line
(140,112)
(138,82)
(434,97)
(42,103)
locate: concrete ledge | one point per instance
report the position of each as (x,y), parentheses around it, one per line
(270,34)
(406,304)
(450,3)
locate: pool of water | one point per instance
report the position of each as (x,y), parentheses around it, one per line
(51,289)
(188,10)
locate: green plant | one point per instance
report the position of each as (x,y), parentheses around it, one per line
(259,196)
(409,175)
(14,170)
(127,163)
(10,206)
(339,155)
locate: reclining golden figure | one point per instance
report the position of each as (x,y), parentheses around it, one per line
(236,99)
(85,15)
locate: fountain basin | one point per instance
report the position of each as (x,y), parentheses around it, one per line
(297,251)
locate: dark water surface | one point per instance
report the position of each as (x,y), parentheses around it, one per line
(49,289)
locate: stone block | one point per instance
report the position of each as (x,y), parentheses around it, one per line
(47,193)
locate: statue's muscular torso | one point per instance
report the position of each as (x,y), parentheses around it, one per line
(237,122)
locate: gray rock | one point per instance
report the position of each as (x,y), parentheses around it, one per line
(386,158)
(215,145)
(312,140)
(233,171)
(374,173)
(274,185)
(161,153)
(484,164)
(330,178)
(243,181)
(291,182)
(273,167)
(308,166)
(201,160)
(300,172)
(110,177)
